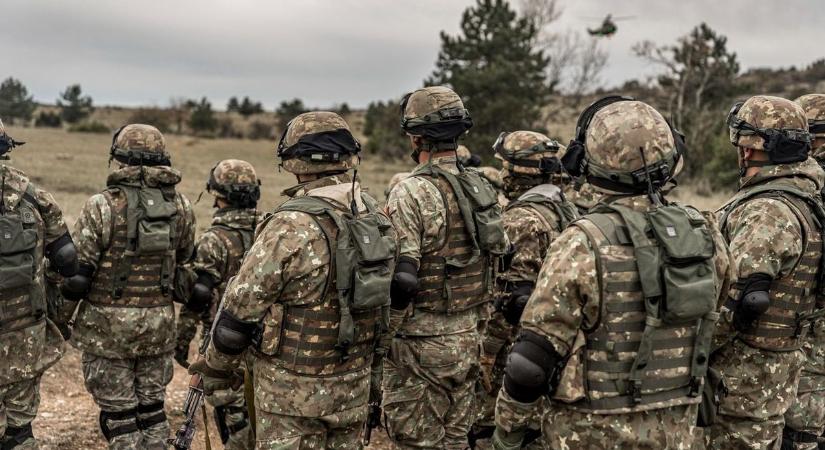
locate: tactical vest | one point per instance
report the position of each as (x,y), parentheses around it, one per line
(237,242)
(22,300)
(794,296)
(650,345)
(338,332)
(137,270)
(556,215)
(458,276)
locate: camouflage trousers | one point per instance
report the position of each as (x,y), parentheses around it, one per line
(339,431)
(18,408)
(807,414)
(232,418)
(130,394)
(762,386)
(429,390)
(660,429)
(498,339)
(187,329)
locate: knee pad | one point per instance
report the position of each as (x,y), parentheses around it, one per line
(112,431)
(150,415)
(16,436)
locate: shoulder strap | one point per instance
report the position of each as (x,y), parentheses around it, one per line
(30,196)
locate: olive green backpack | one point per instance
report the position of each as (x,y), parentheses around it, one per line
(365,253)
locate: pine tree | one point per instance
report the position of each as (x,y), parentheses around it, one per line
(74,106)
(493,64)
(15,101)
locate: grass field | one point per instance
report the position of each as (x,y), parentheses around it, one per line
(73,166)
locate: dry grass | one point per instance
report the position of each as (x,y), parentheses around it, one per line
(73,166)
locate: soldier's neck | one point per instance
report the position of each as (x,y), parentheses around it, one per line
(426,156)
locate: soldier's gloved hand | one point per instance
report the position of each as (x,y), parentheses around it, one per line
(503,440)
(754,300)
(514,306)
(216,379)
(182,356)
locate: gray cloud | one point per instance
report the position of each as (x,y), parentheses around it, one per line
(333,51)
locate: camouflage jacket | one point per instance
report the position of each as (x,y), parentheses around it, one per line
(289,265)
(212,253)
(418,212)
(766,236)
(27,352)
(566,300)
(120,332)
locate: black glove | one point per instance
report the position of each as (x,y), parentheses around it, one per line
(514,305)
(216,379)
(182,356)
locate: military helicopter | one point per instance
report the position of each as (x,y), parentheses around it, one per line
(608,27)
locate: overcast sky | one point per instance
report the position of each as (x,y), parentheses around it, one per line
(331,51)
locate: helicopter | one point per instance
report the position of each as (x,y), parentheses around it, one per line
(608,27)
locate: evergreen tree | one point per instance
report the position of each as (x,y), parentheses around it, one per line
(382,127)
(202,119)
(233,105)
(74,106)
(15,101)
(494,65)
(287,110)
(248,107)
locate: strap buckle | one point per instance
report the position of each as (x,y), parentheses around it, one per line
(634,390)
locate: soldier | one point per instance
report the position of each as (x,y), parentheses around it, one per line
(131,239)
(450,231)
(538,211)
(490,173)
(805,419)
(312,294)
(772,227)
(31,231)
(618,327)
(218,255)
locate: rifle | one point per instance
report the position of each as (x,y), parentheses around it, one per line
(194,400)
(373,421)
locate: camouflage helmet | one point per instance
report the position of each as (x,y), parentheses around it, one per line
(437,114)
(6,142)
(528,153)
(771,124)
(139,145)
(623,145)
(814,106)
(236,182)
(318,142)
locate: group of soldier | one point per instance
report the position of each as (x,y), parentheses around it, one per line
(563,302)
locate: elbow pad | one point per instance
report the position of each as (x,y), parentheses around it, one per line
(232,336)
(62,256)
(754,300)
(531,367)
(404,284)
(77,287)
(201,296)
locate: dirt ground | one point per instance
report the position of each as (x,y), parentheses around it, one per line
(74,166)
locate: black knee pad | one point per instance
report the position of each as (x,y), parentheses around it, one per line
(15,436)
(111,432)
(150,415)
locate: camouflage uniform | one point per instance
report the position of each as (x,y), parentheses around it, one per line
(306,395)
(30,342)
(538,212)
(767,234)
(581,308)
(807,413)
(127,332)
(433,364)
(218,255)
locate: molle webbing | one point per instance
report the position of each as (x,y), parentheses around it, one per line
(22,303)
(454,277)
(237,242)
(125,278)
(793,297)
(613,344)
(309,333)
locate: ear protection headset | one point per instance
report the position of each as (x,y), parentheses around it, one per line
(576,163)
